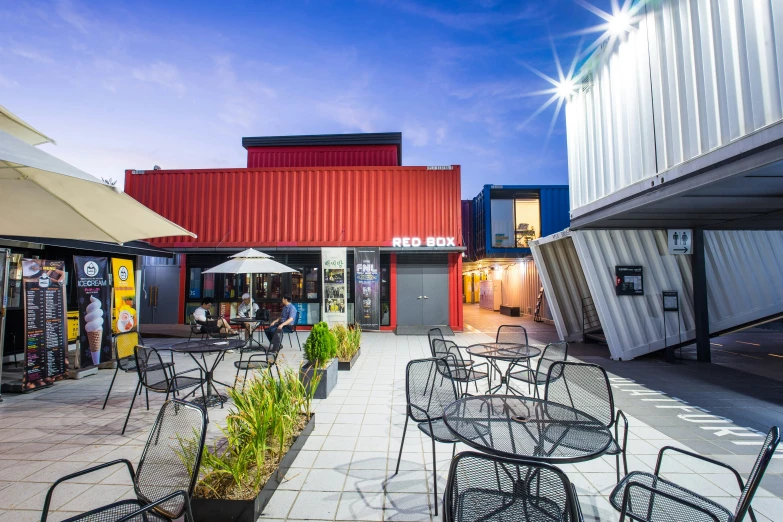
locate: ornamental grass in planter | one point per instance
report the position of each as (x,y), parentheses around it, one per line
(320,351)
(349,341)
(262,425)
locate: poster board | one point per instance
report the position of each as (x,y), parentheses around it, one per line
(335,302)
(46,340)
(124,316)
(93,290)
(367,307)
(629,280)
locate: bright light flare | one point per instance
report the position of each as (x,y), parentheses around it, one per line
(619,23)
(565,88)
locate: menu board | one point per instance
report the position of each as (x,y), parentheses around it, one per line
(334,265)
(46,340)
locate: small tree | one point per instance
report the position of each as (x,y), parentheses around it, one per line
(321,346)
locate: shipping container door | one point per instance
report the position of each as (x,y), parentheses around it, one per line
(160,295)
(410,292)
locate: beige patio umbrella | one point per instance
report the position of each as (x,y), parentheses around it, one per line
(16,126)
(43,196)
(251,261)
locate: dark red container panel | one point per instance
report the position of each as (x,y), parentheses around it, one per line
(309,207)
(322,156)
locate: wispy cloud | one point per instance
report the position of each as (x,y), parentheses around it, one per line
(162,73)
(241,100)
(471,21)
(69,14)
(31,54)
(7,83)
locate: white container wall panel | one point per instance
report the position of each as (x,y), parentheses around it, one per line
(633,325)
(744,284)
(564,283)
(714,74)
(521,285)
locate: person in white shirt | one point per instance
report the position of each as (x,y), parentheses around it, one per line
(203,317)
(245,307)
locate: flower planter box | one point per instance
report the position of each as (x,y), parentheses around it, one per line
(218,510)
(328,378)
(347,365)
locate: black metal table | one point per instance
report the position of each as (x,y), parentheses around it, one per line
(510,352)
(248,324)
(521,427)
(196,348)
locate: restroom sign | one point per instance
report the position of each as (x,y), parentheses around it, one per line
(680,240)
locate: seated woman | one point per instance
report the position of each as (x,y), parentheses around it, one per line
(202,315)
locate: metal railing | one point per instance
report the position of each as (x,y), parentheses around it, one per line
(590,319)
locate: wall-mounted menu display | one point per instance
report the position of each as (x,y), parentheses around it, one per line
(46,341)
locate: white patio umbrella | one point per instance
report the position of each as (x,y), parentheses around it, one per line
(43,196)
(16,126)
(251,261)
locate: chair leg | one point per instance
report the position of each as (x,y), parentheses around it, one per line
(138,385)
(147,393)
(297,341)
(453,450)
(399,457)
(435,477)
(110,387)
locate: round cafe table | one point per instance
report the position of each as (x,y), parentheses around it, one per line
(249,324)
(509,352)
(522,427)
(198,350)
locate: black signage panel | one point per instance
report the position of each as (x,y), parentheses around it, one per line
(94,291)
(629,280)
(671,301)
(367,308)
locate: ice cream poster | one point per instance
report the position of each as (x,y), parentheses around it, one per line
(94,298)
(124,318)
(46,339)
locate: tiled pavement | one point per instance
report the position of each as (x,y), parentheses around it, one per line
(344,471)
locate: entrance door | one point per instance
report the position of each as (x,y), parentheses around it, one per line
(160,295)
(422,294)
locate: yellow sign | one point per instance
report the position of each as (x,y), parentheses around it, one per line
(124,318)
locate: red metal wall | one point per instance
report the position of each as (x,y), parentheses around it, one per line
(323,156)
(302,207)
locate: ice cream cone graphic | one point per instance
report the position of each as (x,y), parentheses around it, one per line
(93,320)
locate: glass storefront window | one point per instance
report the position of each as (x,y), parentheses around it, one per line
(235,285)
(527,217)
(296,285)
(194,283)
(515,222)
(311,284)
(209,285)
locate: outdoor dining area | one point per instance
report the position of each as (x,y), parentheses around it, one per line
(526,424)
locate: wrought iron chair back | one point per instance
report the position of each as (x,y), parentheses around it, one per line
(512,333)
(553,352)
(757,472)
(582,386)
(432,334)
(486,487)
(152,372)
(426,390)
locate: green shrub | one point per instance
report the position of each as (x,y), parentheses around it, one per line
(348,341)
(321,346)
(260,428)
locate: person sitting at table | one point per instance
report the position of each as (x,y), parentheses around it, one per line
(244,307)
(203,316)
(286,320)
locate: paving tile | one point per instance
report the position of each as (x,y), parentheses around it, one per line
(315,505)
(361,506)
(325,480)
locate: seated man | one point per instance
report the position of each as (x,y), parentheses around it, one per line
(286,321)
(202,316)
(244,307)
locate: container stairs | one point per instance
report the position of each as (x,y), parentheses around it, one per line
(591,325)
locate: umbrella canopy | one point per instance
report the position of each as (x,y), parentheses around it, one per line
(250,262)
(16,126)
(43,196)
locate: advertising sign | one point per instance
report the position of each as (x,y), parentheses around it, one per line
(124,317)
(93,291)
(46,344)
(334,272)
(671,302)
(628,280)
(367,309)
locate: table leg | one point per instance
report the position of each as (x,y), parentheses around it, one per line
(213,397)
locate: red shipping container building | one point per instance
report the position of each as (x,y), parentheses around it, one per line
(293,199)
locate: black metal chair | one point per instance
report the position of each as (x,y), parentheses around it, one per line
(484,487)
(553,352)
(459,371)
(124,345)
(166,474)
(264,319)
(585,387)
(511,333)
(648,497)
(262,360)
(436,333)
(154,377)
(292,330)
(427,395)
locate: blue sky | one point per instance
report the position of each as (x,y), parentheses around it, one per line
(133,84)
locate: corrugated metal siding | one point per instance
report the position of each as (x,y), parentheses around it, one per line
(520,288)
(480,213)
(744,283)
(302,207)
(325,156)
(694,75)
(554,209)
(564,284)
(468,237)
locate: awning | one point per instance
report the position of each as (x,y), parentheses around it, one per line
(131,248)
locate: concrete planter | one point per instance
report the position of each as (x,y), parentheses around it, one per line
(328,378)
(219,510)
(347,365)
